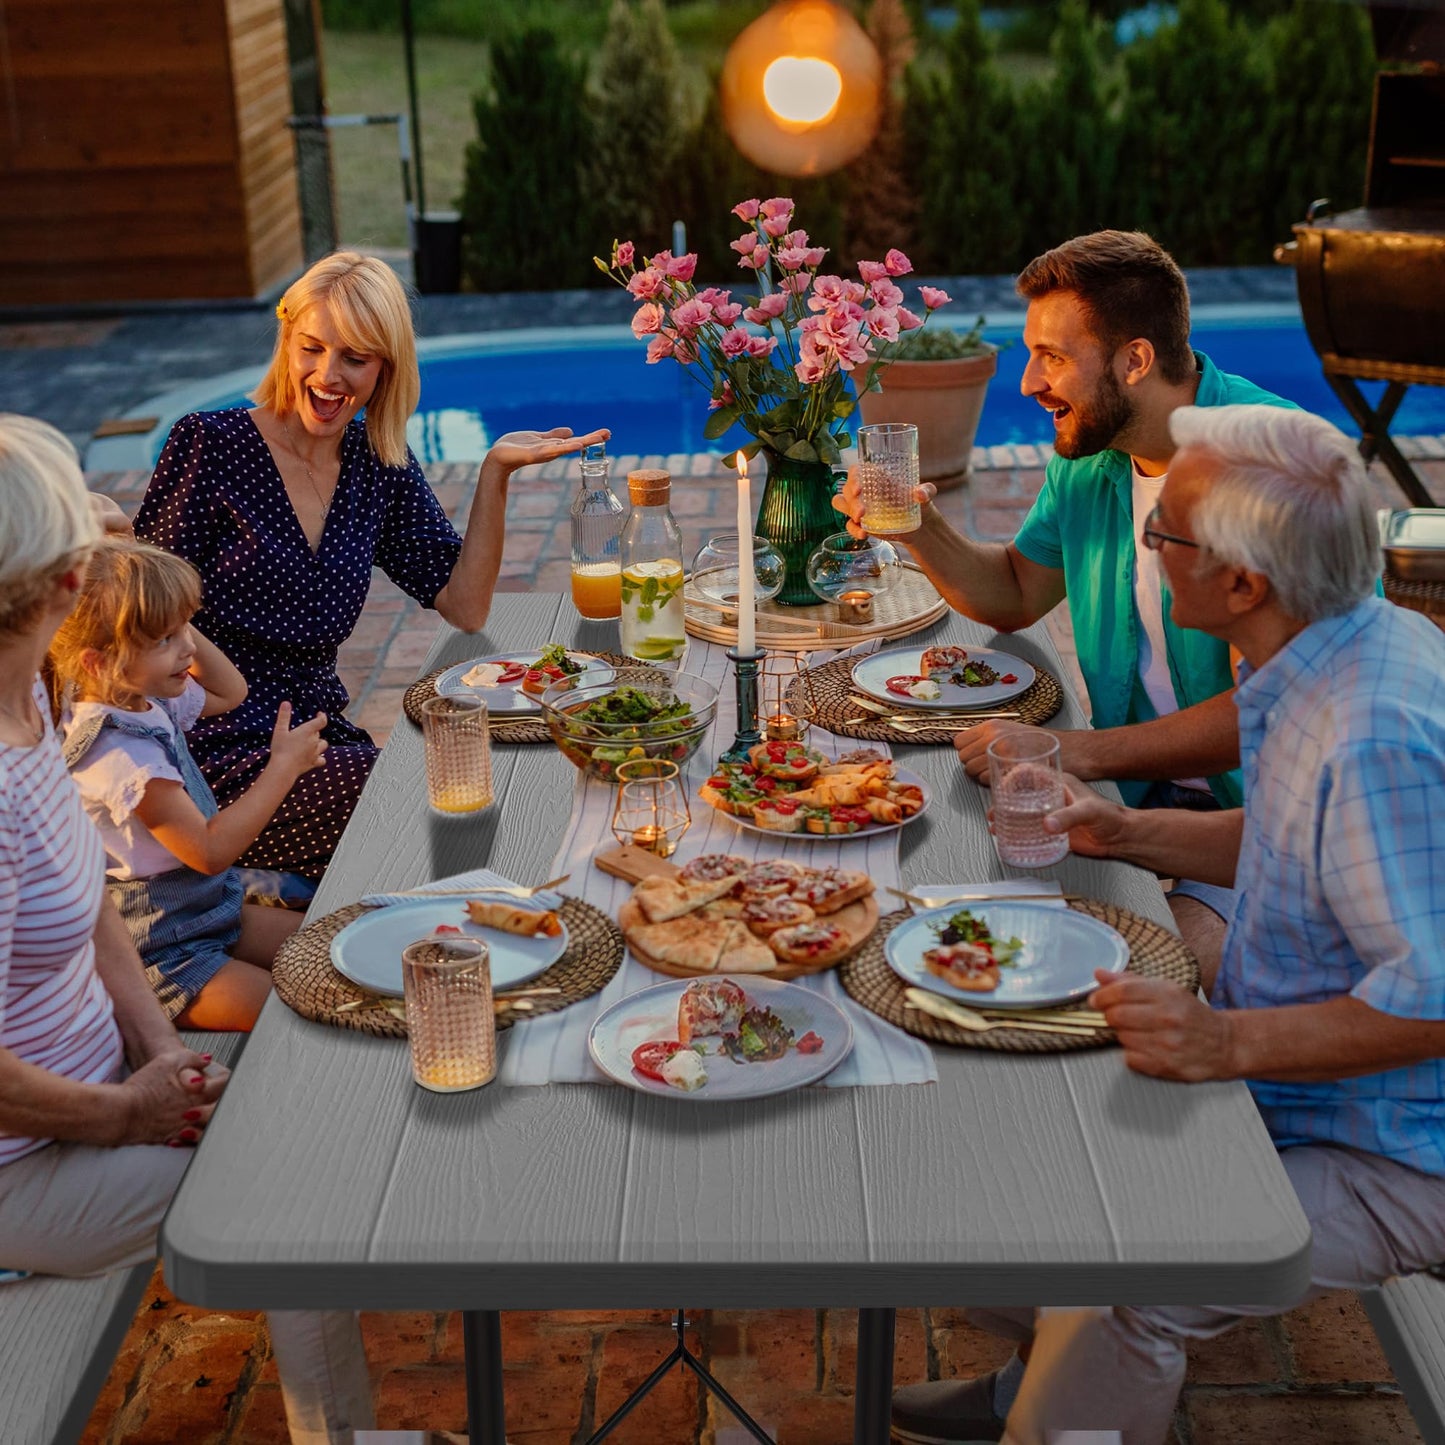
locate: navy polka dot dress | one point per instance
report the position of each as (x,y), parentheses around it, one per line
(279,612)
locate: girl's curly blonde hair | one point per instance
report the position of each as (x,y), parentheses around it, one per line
(134,595)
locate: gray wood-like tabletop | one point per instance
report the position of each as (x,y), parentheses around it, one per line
(328,1178)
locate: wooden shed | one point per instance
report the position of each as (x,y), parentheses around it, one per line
(144,152)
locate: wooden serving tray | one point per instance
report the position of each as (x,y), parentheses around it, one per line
(634,864)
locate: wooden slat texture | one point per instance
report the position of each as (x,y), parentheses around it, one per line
(144,152)
(330,1179)
(1409,1317)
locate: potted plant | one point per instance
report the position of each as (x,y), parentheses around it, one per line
(936,379)
(784,376)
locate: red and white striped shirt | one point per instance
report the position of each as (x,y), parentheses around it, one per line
(55,1012)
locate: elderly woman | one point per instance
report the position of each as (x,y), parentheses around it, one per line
(94,1080)
(284,509)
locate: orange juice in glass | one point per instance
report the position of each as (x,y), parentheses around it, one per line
(597,589)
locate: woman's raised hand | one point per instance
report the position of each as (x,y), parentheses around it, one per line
(531,448)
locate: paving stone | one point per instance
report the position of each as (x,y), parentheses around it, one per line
(396,1338)
(423,1397)
(1242,1356)
(1331,1340)
(264,1419)
(1300,1419)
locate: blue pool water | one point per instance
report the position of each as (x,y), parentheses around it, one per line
(474,389)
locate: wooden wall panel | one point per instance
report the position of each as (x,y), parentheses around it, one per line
(144,152)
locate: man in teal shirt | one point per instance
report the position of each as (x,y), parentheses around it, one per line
(1107,333)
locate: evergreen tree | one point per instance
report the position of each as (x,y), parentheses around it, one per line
(522,197)
(638,126)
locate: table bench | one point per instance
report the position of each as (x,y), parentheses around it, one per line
(1409,1317)
(59,1337)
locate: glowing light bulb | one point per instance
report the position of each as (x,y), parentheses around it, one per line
(802,88)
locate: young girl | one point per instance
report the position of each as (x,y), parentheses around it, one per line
(135,676)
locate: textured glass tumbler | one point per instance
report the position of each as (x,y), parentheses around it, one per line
(458,754)
(887,475)
(449,1018)
(1027,784)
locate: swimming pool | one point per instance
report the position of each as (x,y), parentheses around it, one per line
(476,387)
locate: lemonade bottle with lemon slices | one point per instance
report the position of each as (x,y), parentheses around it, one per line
(652,577)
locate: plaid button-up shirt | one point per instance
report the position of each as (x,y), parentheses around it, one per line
(1342,864)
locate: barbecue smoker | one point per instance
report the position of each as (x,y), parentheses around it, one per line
(1372,281)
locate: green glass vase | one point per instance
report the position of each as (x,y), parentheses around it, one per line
(796,513)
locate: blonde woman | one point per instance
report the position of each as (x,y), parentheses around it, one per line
(94,1080)
(285,508)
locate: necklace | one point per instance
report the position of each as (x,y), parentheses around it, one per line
(26,721)
(310,475)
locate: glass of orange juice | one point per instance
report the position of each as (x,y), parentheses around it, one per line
(597,589)
(457,748)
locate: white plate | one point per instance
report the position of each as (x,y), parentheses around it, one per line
(652,1014)
(368,949)
(902,775)
(871,675)
(1060,953)
(509,697)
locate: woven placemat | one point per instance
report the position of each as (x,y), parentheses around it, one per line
(307,982)
(827,690)
(1154,952)
(529,729)
(1416,595)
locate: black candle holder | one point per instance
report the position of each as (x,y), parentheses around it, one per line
(745,668)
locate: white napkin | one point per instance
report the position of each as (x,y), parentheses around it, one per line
(478,880)
(1038,890)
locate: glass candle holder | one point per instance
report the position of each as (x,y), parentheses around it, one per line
(858,568)
(715,573)
(787,711)
(651,811)
(1028,784)
(457,745)
(449,1016)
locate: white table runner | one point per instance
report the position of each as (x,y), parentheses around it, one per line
(554,1049)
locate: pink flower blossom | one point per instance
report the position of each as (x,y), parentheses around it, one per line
(852,291)
(797,283)
(837,334)
(625,253)
(647,284)
(691,314)
(769,307)
(648,320)
(757,260)
(872,271)
(796,238)
(775,226)
(662,260)
(759,346)
(724,398)
(793,258)
(882,322)
(734,343)
(712,296)
(746,210)
(744,244)
(682,267)
(907,321)
(811,369)
(886,294)
(659,349)
(897,263)
(827,291)
(685,351)
(726,312)
(815,256)
(933,298)
(777,206)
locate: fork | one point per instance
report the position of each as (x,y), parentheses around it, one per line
(922,1002)
(931,718)
(510,890)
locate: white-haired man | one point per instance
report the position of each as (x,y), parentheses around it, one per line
(1330,998)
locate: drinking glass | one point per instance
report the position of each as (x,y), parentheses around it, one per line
(887,475)
(651,811)
(449,1017)
(458,753)
(1028,784)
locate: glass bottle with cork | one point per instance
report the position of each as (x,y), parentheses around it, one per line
(652,576)
(596,530)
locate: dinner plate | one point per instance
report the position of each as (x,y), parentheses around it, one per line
(509,697)
(871,675)
(902,775)
(1061,950)
(652,1014)
(368,949)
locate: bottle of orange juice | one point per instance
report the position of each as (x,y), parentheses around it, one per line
(596,526)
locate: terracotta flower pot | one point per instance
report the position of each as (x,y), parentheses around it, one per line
(944,400)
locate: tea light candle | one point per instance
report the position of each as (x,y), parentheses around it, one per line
(649,836)
(855,606)
(782,727)
(747,581)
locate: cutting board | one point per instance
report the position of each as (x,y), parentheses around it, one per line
(634,864)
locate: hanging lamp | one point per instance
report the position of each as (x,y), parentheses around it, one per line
(801,88)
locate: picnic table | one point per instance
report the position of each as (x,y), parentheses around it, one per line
(328,1179)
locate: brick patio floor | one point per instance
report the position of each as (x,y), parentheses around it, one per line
(185,1376)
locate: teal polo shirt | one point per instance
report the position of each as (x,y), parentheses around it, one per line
(1083,523)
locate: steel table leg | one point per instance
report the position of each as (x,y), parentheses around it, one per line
(486,1408)
(873,1389)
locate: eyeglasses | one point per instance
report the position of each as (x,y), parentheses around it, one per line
(1154,539)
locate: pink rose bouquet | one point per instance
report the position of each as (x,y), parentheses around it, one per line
(783,375)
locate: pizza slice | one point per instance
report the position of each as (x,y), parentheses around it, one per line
(690,943)
(743,952)
(661,899)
